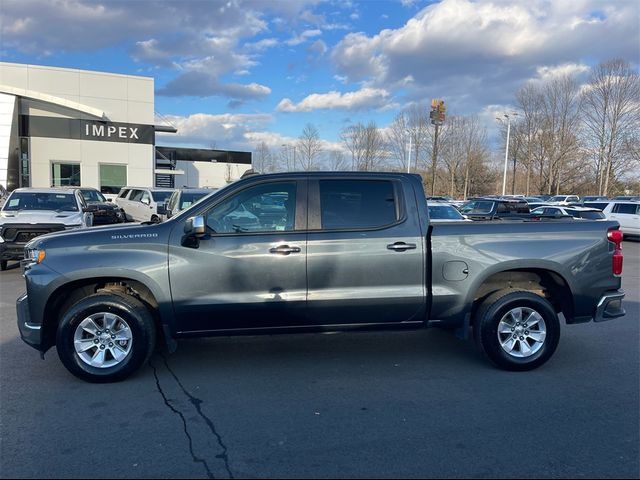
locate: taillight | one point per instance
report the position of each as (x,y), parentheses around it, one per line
(616,236)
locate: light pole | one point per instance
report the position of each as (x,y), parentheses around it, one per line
(409,158)
(506,151)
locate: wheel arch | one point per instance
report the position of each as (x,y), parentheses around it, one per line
(66,295)
(546,282)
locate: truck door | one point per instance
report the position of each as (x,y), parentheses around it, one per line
(249,270)
(365,260)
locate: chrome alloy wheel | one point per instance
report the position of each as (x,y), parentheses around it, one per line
(103,340)
(521,332)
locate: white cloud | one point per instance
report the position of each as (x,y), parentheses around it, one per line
(228,131)
(318,47)
(262,45)
(364,99)
(489,48)
(303,37)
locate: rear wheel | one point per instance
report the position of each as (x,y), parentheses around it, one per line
(517,330)
(3,265)
(105,337)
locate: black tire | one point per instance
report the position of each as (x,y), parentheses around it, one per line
(141,325)
(489,315)
(3,265)
(155,219)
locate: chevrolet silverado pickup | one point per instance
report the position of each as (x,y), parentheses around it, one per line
(314,252)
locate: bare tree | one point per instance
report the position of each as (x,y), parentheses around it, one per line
(398,142)
(611,119)
(366,144)
(309,147)
(337,162)
(263,161)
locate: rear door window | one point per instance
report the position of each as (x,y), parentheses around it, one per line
(628,208)
(357,204)
(136,195)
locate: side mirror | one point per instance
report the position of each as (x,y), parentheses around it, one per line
(162,209)
(146,201)
(195,226)
(109,199)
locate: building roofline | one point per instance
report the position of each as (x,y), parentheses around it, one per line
(77,70)
(45,97)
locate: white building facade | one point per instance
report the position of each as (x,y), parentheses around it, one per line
(61,126)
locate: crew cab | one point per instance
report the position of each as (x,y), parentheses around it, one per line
(326,252)
(31,212)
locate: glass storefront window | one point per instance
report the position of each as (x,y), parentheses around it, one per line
(112,178)
(65,174)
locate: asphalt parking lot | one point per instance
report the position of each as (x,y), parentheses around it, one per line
(399,404)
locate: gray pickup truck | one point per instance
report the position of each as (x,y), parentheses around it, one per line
(309,252)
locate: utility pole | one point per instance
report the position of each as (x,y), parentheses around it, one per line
(437,116)
(506,151)
(409,157)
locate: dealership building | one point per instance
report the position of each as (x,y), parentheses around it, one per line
(61,127)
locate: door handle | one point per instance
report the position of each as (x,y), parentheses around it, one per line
(401,246)
(284,250)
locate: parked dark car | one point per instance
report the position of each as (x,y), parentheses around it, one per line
(495,209)
(104,211)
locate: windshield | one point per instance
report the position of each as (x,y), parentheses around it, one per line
(161,197)
(65,202)
(92,196)
(444,212)
(558,198)
(188,199)
(477,207)
(589,215)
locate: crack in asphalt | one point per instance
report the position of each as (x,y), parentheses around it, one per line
(184,422)
(196,402)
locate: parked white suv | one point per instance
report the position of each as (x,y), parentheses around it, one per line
(563,200)
(140,204)
(627,214)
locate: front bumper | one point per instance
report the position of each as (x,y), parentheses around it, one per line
(610,306)
(11,251)
(30,333)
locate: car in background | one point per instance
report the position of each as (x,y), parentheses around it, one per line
(31,212)
(183,198)
(104,211)
(633,198)
(140,204)
(496,209)
(583,213)
(627,214)
(563,199)
(444,212)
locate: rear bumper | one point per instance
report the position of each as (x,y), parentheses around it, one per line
(30,333)
(610,306)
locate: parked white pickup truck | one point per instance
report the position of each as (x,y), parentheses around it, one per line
(28,213)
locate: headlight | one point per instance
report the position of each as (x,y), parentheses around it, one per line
(35,255)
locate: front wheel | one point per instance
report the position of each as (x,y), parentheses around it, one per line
(105,337)
(3,265)
(518,330)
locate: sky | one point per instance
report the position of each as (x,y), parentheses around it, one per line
(231,74)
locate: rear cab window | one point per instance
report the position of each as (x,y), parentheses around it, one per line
(357,204)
